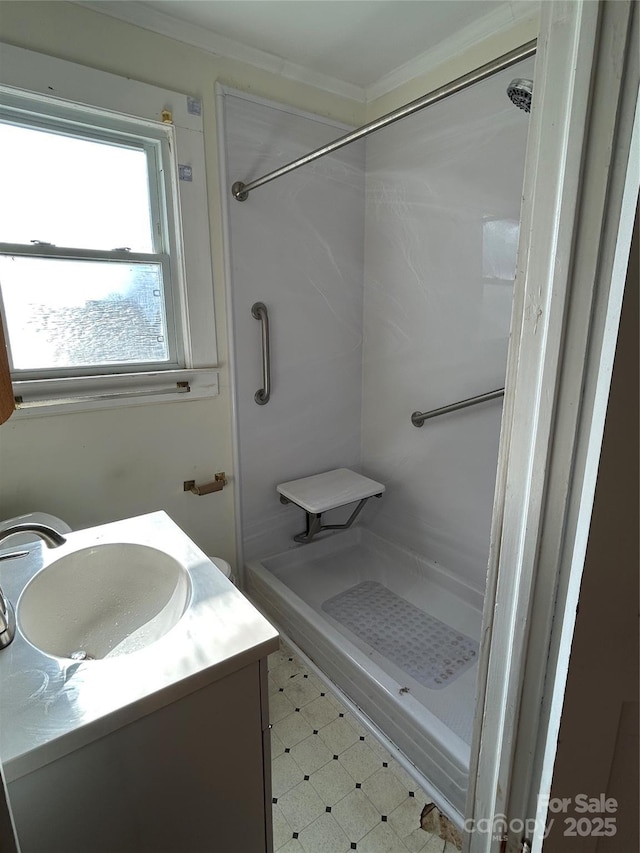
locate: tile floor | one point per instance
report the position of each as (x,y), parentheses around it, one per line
(335,788)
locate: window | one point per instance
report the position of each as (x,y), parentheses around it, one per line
(94,296)
(85,253)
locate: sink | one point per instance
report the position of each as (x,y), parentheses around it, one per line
(138,585)
(106,600)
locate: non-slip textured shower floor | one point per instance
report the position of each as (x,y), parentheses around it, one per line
(424,647)
(367,558)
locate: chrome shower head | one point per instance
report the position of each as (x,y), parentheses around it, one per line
(520,92)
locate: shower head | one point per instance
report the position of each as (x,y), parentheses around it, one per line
(520,92)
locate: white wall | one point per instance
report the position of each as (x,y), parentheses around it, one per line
(296,245)
(98,467)
(442,212)
(101,466)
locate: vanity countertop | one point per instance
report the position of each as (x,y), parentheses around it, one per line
(50,706)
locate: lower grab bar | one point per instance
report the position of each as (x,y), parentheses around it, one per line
(418,418)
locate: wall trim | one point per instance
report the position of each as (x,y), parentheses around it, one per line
(159,22)
(495,23)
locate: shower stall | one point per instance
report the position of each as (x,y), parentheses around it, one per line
(386,271)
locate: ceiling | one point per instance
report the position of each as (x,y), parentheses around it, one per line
(359,48)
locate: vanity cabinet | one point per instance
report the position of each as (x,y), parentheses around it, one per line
(190,777)
(164,748)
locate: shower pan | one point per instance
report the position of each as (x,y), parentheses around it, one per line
(394,688)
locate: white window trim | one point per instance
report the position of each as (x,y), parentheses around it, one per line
(80,393)
(24,71)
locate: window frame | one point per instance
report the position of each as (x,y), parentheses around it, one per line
(156,141)
(96,103)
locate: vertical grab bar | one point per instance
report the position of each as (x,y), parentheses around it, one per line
(259,311)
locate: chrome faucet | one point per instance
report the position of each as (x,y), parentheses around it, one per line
(52,539)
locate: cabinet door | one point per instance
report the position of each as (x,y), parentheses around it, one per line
(188,777)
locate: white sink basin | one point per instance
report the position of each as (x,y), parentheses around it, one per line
(106,600)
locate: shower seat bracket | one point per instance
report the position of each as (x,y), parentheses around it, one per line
(322,492)
(314,521)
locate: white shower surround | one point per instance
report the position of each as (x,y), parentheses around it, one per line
(370,321)
(443,197)
(297,245)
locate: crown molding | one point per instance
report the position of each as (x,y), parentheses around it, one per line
(500,20)
(160,22)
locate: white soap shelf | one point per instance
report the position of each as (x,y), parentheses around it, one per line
(330,490)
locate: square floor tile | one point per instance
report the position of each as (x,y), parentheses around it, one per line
(273,687)
(279,707)
(357,725)
(277,747)
(416,842)
(338,735)
(360,761)
(378,748)
(406,818)
(356,815)
(409,783)
(435,844)
(301,690)
(282,675)
(276,658)
(311,754)
(292,729)
(285,774)
(292,846)
(332,782)
(301,806)
(381,839)
(384,790)
(321,711)
(324,836)
(281,829)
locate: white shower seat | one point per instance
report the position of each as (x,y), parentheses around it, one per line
(330,490)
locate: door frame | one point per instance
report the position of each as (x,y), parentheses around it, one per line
(579,200)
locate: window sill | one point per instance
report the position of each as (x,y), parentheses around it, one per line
(44,397)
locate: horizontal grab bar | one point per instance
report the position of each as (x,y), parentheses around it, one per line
(418,418)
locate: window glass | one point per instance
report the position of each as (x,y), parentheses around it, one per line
(83,313)
(73,191)
(106,292)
